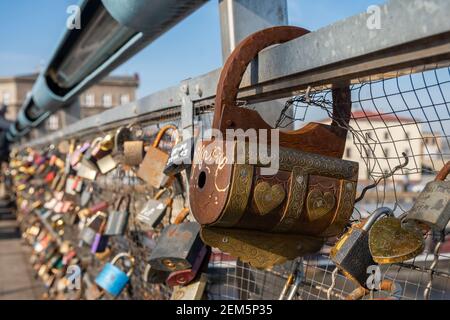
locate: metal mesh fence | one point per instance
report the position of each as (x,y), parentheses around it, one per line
(396,119)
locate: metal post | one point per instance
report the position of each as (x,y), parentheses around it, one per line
(241,18)
(187,112)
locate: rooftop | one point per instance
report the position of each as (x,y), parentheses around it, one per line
(371,116)
(383,117)
(109,80)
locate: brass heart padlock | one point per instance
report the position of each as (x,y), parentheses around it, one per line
(390,241)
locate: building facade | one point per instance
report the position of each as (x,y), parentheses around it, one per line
(110,92)
(382,139)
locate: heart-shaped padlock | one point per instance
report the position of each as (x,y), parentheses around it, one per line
(392,242)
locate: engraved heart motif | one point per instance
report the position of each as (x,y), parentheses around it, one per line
(319,204)
(390,242)
(268,198)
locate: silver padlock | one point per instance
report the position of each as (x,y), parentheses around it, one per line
(106,164)
(432,207)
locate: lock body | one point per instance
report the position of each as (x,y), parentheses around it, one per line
(151,170)
(185,277)
(181,157)
(133,152)
(177,248)
(433,206)
(193,291)
(106,164)
(391,241)
(152,167)
(310,194)
(117,223)
(118,218)
(87,235)
(100,243)
(351,253)
(112,279)
(352,256)
(151,215)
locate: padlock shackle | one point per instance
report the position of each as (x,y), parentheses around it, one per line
(124,255)
(162,191)
(120,201)
(236,64)
(162,132)
(375,216)
(97,215)
(121,133)
(442,175)
(95,142)
(181,216)
(107,143)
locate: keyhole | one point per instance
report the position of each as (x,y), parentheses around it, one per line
(202,179)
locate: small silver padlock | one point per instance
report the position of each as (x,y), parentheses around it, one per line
(432,207)
(106,164)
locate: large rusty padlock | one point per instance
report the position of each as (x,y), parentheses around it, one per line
(309,198)
(432,207)
(151,170)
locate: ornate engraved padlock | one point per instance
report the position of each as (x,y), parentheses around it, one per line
(311,196)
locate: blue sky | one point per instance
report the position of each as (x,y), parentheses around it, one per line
(30,31)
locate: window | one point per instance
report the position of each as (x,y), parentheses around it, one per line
(107,100)
(348,153)
(407,135)
(53,123)
(124,98)
(386,135)
(90,100)
(6,98)
(369,135)
(387,152)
